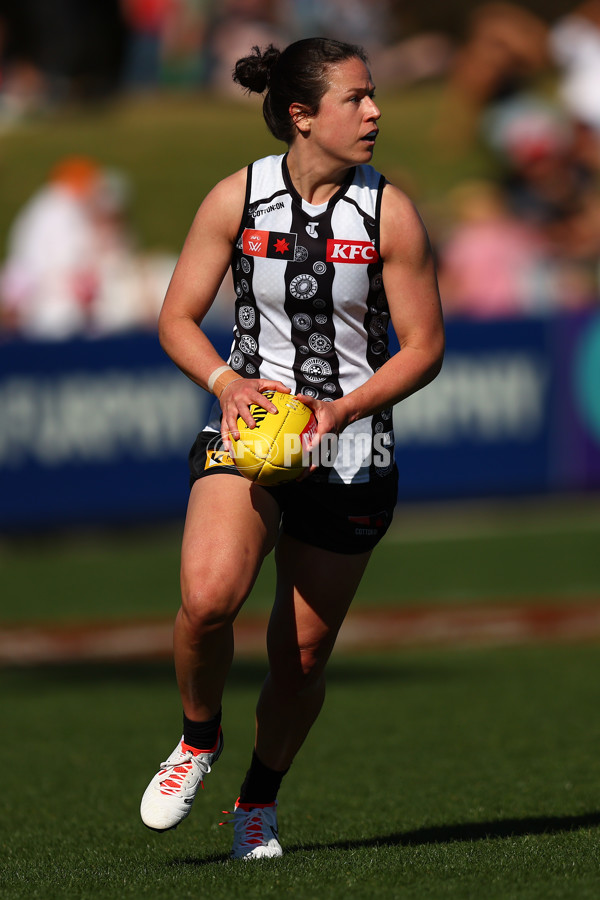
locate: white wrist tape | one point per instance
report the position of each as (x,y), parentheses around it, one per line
(214,375)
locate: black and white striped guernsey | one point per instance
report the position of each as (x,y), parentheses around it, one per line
(311,310)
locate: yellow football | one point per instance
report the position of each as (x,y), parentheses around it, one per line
(275,450)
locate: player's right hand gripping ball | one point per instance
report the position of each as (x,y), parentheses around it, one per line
(275,450)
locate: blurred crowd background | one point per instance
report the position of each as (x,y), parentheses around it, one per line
(521,79)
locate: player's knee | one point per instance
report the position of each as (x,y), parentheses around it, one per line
(298,670)
(208,603)
(310,666)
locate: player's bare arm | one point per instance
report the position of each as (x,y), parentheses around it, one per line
(200,269)
(204,259)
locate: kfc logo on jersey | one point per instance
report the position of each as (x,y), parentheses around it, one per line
(351,251)
(272,244)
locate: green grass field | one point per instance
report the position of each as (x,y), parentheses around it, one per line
(456,773)
(429,775)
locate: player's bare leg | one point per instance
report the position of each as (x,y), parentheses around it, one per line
(230,527)
(315,588)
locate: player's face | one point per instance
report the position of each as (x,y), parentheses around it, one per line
(345,126)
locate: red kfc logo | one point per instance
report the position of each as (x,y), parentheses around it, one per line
(351,251)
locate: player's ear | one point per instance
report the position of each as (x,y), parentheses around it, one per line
(300,116)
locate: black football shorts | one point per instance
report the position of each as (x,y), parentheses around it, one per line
(343,518)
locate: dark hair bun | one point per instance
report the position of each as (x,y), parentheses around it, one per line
(254,72)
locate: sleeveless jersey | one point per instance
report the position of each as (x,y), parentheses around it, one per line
(310,309)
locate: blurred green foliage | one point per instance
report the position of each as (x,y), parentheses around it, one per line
(174,147)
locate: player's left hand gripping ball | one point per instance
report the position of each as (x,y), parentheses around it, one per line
(275,450)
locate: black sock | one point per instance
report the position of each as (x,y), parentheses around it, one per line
(261,783)
(201,735)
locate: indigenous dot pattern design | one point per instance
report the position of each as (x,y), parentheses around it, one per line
(311,308)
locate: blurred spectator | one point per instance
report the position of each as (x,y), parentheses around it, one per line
(71,265)
(395,61)
(233,26)
(535,143)
(184,42)
(59,51)
(165,40)
(22,84)
(130,284)
(505,49)
(49,281)
(552,185)
(491,264)
(356,21)
(147,21)
(529,243)
(412,60)
(575,48)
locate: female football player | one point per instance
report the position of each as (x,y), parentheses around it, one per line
(324,254)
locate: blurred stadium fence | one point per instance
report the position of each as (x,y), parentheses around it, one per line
(97,431)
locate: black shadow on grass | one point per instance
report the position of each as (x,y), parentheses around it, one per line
(245,672)
(467,831)
(440,834)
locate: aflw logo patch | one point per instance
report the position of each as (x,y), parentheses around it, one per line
(272,244)
(351,251)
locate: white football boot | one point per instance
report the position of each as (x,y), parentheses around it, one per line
(255,831)
(168,799)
